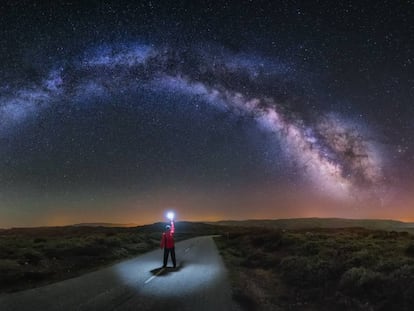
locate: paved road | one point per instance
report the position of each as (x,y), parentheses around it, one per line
(199,283)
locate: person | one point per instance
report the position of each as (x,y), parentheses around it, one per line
(167,243)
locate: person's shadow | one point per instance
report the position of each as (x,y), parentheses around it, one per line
(167,270)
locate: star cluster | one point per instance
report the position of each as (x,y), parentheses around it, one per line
(205,107)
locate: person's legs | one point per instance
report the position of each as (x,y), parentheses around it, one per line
(173,256)
(165,257)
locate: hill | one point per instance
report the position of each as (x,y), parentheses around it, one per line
(105,224)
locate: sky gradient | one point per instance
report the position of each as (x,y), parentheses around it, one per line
(115,112)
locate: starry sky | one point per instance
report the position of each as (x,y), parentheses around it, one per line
(114,111)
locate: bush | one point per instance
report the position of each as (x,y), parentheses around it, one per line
(32,256)
(320,271)
(87,250)
(10,271)
(403,279)
(363,283)
(310,248)
(294,269)
(113,242)
(409,251)
(39,240)
(307,271)
(289,240)
(270,240)
(37,275)
(362,258)
(390,265)
(7,251)
(260,259)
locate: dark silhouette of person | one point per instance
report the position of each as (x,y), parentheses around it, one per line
(167,243)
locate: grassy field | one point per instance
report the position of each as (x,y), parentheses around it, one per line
(270,268)
(320,269)
(31,257)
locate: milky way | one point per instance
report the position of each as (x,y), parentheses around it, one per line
(112,110)
(335,155)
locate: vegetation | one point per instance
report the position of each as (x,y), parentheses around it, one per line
(31,257)
(312,223)
(320,269)
(271,269)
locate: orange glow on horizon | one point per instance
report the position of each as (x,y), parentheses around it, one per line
(209,207)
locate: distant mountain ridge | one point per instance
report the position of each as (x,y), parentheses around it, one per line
(104,224)
(303,223)
(288,223)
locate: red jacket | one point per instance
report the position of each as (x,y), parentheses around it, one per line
(167,240)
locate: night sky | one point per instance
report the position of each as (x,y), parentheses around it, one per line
(115,111)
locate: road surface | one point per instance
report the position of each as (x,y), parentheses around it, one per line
(198,283)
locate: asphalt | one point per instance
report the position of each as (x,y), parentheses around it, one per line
(199,282)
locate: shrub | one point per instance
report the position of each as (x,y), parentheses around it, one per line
(409,251)
(270,240)
(133,239)
(37,275)
(113,242)
(32,256)
(363,283)
(403,279)
(362,258)
(10,271)
(99,241)
(39,240)
(260,259)
(310,248)
(288,240)
(87,250)
(320,271)
(390,265)
(294,269)
(7,251)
